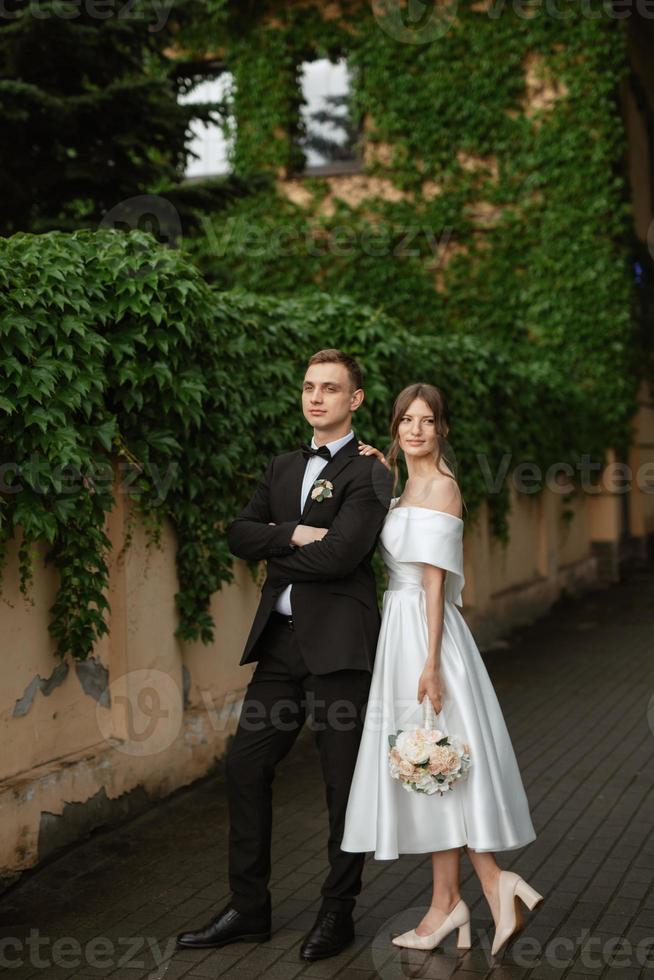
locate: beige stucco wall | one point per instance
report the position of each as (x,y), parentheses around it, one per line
(70,748)
(72,761)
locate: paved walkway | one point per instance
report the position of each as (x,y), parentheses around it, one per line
(576,688)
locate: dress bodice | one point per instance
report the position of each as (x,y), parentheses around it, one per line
(414,536)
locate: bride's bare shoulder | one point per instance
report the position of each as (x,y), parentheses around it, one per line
(442,493)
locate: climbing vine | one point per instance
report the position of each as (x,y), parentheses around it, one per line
(483,246)
(124,372)
(491,199)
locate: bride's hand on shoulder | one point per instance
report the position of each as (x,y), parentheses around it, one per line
(367,450)
(430,685)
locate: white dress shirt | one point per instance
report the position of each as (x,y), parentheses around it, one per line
(315,466)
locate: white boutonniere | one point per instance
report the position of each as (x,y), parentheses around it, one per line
(322,489)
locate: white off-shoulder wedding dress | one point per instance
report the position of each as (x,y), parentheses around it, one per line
(488,810)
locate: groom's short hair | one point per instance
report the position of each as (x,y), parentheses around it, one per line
(333,356)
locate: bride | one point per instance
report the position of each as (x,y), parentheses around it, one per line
(426,650)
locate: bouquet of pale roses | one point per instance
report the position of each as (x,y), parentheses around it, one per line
(427,760)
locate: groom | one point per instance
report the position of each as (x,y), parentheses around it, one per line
(315,518)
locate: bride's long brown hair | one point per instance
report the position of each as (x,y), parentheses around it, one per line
(435,398)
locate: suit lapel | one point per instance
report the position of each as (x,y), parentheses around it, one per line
(292,485)
(343,458)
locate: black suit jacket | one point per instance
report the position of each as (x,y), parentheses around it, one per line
(334,597)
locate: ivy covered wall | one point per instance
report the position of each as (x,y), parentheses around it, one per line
(492,199)
(483,246)
(124,371)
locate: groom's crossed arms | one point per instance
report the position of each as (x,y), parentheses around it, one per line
(351,535)
(334,602)
(253,535)
(362,501)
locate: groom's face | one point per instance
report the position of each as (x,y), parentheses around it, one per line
(328,397)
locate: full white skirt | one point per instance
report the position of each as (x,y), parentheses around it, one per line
(488,809)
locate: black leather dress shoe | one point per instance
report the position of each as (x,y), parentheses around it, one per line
(331,933)
(229,926)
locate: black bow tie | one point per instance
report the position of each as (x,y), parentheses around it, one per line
(309,451)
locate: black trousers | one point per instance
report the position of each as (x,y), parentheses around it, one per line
(278,700)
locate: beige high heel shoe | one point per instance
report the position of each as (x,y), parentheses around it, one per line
(512,887)
(458,918)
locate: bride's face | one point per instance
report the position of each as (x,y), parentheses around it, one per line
(417,430)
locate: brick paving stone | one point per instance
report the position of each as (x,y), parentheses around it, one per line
(510,972)
(349,974)
(545,971)
(466,975)
(474,961)
(580,730)
(213,965)
(645,919)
